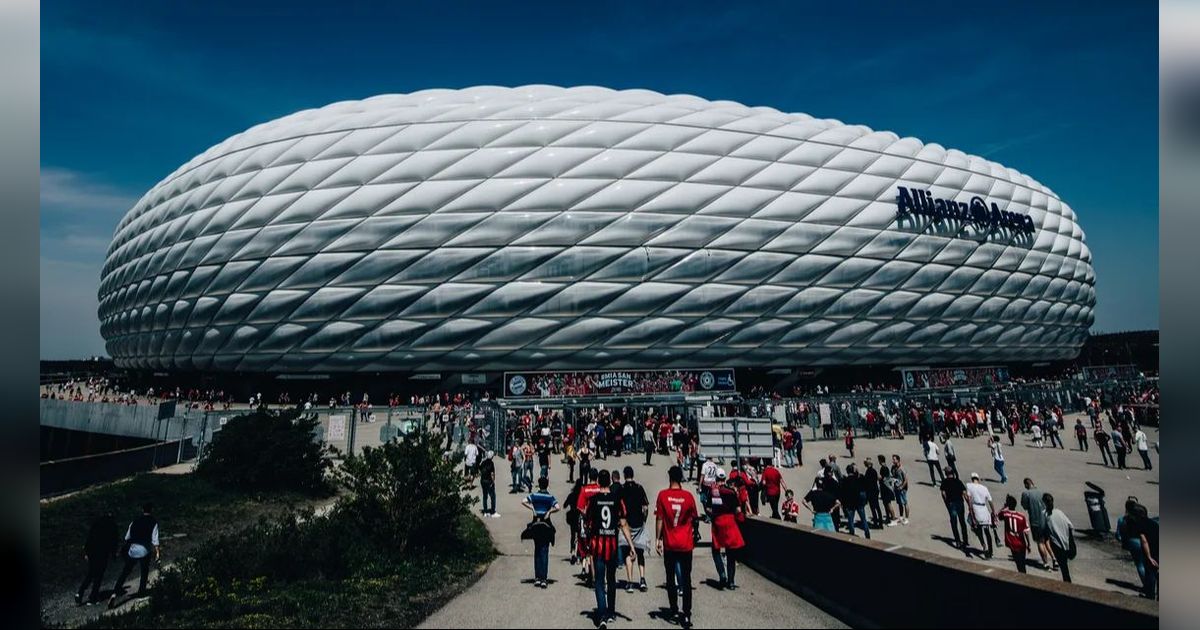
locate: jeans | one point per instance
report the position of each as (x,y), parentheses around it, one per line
(1083,444)
(649,452)
(489,492)
(726,570)
(606,586)
(773,499)
(998,464)
(541,560)
(876,512)
(545,471)
(1107,456)
(934,467)
(1150,582)
(1145,459)
(861,512)
(789,457)
(679,575)
(527,478)
(952,462)
(958,522)
(516,479)
(985,534)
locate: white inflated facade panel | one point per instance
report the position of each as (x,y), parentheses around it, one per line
(545,227)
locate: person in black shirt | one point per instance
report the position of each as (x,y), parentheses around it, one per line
(821,503)
(871,484)
(954,494)
(605,521)
(487,484)
(852,496)
(637,507)
(101,545)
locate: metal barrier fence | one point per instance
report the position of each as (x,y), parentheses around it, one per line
(66,475)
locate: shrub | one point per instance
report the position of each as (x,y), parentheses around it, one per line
(268,451)
(406,492)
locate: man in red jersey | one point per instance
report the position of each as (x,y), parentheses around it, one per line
(772,482)
(1016,531)
(675,512)
(726,535)
(589,489)
(605,519)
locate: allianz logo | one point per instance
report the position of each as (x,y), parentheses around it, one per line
(922,202)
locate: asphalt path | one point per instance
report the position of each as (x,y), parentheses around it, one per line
(505,596)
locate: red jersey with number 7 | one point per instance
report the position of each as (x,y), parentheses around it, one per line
(677,509)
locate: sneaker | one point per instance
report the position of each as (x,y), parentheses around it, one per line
(685,621)
(602,624)
(629,587)
(731,586)
(495,515)
(642,587)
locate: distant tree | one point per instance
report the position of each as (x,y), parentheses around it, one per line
(268,451)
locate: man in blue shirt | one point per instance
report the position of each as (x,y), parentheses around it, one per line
(542,504)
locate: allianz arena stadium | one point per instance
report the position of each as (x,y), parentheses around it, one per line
(542,227)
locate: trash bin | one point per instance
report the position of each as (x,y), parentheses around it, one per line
(1097,512)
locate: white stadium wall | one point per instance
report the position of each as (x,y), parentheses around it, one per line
(542,227)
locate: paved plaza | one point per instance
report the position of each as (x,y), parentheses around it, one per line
(505,596)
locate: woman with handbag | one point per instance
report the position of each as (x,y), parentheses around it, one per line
(1062,535)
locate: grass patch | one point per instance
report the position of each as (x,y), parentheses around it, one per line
(190,510)
(397,593)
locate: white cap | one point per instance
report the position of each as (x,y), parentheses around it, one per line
(720,473)
(974,475)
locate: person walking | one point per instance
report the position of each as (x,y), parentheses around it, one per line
(141,543)
(675,514)
(954,496)
(1016,532)
(487,484)
(606,520)
(887,492)
(1062,536)
(637,508)
(773,485)
(1143,448)
(1081,435)
(933,461)
(726,535)
(1102,440)
(516,461)
(900,488)
(997,458)
(527,472)
(541,530)
(543,457)
(982,514)
(949,454)
(648,443)
(1118,445)
(1032,500)
(101,546)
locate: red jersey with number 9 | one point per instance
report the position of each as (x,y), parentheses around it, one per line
(677,509)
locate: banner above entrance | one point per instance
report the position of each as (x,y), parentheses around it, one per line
(617,382)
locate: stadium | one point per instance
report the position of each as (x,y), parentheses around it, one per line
(496,229)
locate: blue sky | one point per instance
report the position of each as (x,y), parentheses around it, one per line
(1065,92)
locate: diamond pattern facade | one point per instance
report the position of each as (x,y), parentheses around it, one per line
(545,227)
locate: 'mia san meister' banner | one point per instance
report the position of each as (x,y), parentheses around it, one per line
(942,378)
(616,382)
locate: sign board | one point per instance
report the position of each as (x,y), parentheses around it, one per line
(1110,372)
(617,382)
(474,379)
(729,438)
(166,409)
(337,428)
(928,379)
(826,414)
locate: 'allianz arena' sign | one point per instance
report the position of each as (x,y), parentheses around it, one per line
(922,202)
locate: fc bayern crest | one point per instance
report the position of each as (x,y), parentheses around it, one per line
(707,381)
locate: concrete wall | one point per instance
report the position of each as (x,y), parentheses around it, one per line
(876,585)
(139,421)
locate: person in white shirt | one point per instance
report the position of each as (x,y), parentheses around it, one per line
(998,458)
(931,458)
(471,457)
(982,514)
(708,479)
(1143,447)
(1037,434)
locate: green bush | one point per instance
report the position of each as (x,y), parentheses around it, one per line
(383,556)
(404,492)
(268,451)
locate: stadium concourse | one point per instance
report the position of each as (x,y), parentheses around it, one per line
(506,596)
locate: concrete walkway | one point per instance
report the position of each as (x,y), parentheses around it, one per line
(505,597)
